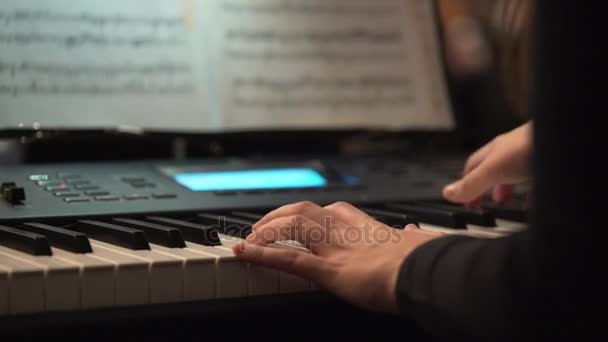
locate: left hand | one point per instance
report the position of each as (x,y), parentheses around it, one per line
(348,252)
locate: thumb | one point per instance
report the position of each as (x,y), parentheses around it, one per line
(472,185)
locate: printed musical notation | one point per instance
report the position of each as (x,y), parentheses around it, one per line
(364,83)
(103,71)
(97,21)
(284,37)
(328,93)
(309,8)
(70,41)
(132,87)
(315,55)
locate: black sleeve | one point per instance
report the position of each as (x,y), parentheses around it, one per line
(549,280)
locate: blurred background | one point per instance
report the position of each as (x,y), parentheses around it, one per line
(485,55)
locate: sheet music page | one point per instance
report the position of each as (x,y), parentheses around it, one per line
(90,63)
(327,63)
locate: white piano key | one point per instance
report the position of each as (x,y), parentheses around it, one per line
(510,226)
(485,232)
(262,280)
(199,271)
(290,283)
(4,272)
(62,280)
(231,273)
(97,278)
(165,272)
(451,231)
(131,283)
(25,286)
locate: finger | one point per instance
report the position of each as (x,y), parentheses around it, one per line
(472,185)
(309,209)
(297,227)
(503,193)
(477,157)
(349,214)
(288,260)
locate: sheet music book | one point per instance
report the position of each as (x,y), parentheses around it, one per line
(221,65)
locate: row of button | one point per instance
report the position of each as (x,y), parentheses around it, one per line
(110,198)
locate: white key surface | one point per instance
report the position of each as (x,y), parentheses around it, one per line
(199,271)
(231,273)
(62,280)
(131,283)
(25,285)
(97,278)
(165,272)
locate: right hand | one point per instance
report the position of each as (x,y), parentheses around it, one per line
(500,165)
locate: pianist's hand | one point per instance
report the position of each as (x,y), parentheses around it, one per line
(500,164)
(348,252)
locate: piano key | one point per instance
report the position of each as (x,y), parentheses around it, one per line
(506,212)
(199,271)
(96,277)
(231,273)
(194,232)
(27,242)
(67,239)
(4,277)
(121,236)
(287,283)
(25,286)
(478,217)
(480,232)
(226,224)
(255,217)
(131,283)
(161,235)
(430,215)
(389,218)
(61,279)
(165,272)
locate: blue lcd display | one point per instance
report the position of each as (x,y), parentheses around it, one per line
(251,179)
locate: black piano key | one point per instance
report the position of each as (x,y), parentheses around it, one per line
(226,224)
(478,217)
(162,235)
(391,218)
(69,240)
(23,241)
(114,234)
(434,216)
(198,233)
(247,215)
(506,212)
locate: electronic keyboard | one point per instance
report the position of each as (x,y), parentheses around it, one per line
(76,238)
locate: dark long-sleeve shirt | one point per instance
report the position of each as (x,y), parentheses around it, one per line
(547,281)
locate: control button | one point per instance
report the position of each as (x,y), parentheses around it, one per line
(66,176)
(254,192)
(225,193)
(96,193)
(164,196)
(53,188)
(143,185)
(66,194)
(133,179)
(11,193)
(49,183)
(77,182)
(38,177)
(86,187)
(76,199)
(136,197)
(107,198)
